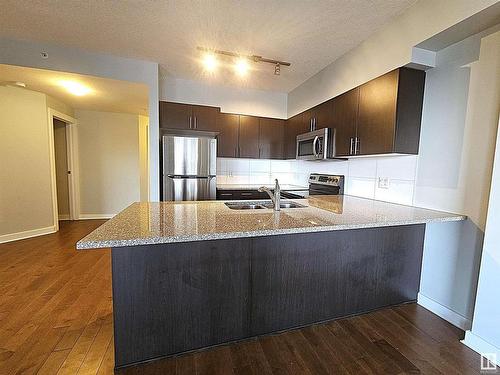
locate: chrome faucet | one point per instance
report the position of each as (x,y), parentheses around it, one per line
(275,197)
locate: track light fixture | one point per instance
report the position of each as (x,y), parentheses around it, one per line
(241,64)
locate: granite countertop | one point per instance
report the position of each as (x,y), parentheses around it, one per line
(168,222)
(284,187)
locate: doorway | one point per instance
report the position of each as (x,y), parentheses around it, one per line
(64,171)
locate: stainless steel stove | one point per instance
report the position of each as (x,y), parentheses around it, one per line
(324,184)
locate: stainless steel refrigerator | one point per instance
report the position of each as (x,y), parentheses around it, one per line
(189,168)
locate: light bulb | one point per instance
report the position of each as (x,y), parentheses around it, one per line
(241,66)
(75,88)
(209,62)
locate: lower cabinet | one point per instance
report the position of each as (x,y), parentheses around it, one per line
(227,195)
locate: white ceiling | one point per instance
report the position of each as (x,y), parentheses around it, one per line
(309,34)
(106,94)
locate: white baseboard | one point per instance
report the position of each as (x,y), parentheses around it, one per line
(444,312)
(95,216)
(63,217)
(481,346)
(26,234)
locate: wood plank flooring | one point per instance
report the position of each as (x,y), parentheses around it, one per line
(56,318)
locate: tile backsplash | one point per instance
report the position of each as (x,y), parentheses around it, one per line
(389,178)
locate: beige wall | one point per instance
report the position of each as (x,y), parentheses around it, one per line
(108,153)
(144,157)
(25,187)
(60,106)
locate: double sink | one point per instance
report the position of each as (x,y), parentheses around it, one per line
(261,205)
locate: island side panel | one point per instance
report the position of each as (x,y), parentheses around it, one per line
(306,278)
(171,298)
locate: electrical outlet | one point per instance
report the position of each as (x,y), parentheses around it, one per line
(383,182)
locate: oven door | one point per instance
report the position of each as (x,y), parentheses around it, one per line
(312,145)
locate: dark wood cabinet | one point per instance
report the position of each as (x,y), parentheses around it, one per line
(271,138)
(226,195)
(187,116)
(293,127)
(249,137)
(344,121)
(381,116)
(227,140)
(175,115)
(204,117)
(390,112)
(323,115)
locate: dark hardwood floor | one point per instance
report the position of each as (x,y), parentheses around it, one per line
(56,318)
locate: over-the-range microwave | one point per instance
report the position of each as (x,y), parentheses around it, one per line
(316,145)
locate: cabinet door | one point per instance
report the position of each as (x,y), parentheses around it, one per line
(271,138)
(293,127)
(345,115)
(227,141)
(205,118)
(377,114)
(307,119)
(175,115)
(249,137)
(323,115)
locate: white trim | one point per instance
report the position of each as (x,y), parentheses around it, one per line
(480,345)
(444,312)
(72,155)
(95,216)
(27,234)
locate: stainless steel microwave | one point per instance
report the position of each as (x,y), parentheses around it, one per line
(316,145)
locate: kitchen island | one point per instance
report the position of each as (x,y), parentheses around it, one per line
(188,275)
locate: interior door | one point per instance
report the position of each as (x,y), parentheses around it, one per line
(175,115)
(271,133)
(377,114)
(249,137)
(345,116)
(227,140)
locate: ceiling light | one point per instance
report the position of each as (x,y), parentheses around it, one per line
(75,88)
(210,62)
(241,66)
(277,69)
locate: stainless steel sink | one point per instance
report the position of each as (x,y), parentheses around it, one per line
(260,205)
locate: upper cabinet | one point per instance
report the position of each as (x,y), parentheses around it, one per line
(248,144)
(271,138)
(381,116)
(344,121)
(390,112)
(187,116)
(293,127)
(228,126)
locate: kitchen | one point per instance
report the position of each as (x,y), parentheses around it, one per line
(340,226)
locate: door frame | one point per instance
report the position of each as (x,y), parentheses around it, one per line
(72,160)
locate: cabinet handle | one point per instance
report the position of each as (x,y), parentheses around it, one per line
(357,146)
(314,123)
(351,146)
(190,122)
(195,122)
(226,194)
(311,124)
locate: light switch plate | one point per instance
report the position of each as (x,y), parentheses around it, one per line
(383,182)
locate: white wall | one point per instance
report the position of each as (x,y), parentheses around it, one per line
(108,154)
(22,53)
(459,126)
(387,49)
(144,157)
(230,99)
(25,185)
(362,175)
(485,334)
